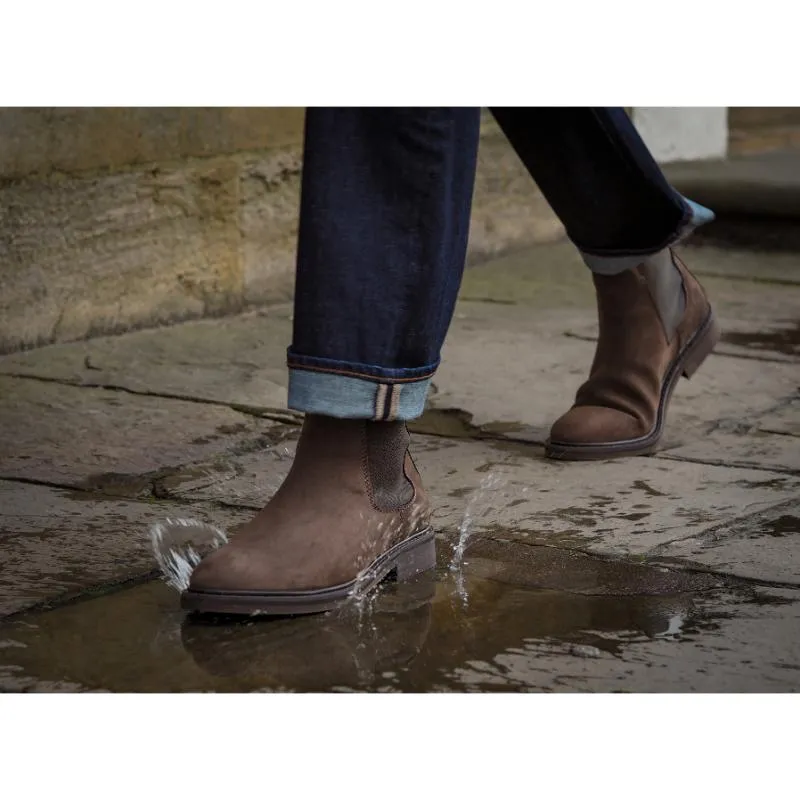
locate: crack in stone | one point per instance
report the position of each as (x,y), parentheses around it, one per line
(672,564)
(707,533)
(666,455)
(286,416)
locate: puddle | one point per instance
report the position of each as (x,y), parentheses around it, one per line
(643,486)
(451,422)
(785,341)
(780,526)
(538,619)
(455,423)
(117,484)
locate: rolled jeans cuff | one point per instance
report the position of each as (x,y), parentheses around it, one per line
(613,264)
(356,391)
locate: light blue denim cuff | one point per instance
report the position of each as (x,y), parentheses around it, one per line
(614,265)
(347,397)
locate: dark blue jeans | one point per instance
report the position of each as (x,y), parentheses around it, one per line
(384,219)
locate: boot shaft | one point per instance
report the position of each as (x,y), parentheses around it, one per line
(380,449)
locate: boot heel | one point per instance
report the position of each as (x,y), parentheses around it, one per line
(417,559)
(702,348)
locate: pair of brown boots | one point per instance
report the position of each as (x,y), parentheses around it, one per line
(353,510)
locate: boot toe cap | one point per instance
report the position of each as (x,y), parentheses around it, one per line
(234,569)
(226,569)
(583,425)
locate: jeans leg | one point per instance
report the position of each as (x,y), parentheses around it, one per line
(384,219)
(602,182)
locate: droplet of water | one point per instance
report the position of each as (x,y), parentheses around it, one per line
(585,651)
(673,626)
(479,504)
(179,545)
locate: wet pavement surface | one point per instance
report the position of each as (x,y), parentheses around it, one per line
(785,340)
(677,572)
(618,628)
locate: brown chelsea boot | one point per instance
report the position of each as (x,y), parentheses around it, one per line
(351,512)
(653,329)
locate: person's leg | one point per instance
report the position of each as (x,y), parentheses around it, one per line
(655,320)
(384,219)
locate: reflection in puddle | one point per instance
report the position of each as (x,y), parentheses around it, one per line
(351,648)
(538,619)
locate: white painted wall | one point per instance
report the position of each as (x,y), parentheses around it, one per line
(683,134)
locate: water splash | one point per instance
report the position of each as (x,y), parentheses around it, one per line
(180,544)
(362,599)
(479,504)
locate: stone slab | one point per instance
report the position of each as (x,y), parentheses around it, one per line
(781,268)
(750,449)
(111,440)
(761,546)
(237,360)
(785,419)
(57,543)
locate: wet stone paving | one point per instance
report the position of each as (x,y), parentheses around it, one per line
(671,573)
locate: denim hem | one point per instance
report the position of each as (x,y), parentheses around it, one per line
(350,397)
(352,369)
(619,261)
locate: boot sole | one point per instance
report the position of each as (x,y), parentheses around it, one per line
(686,363)
(405,560)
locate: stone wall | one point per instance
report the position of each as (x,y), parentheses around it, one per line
(119,218)
(759,130)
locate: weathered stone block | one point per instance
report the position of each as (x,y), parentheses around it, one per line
(46,140)
(82,256)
